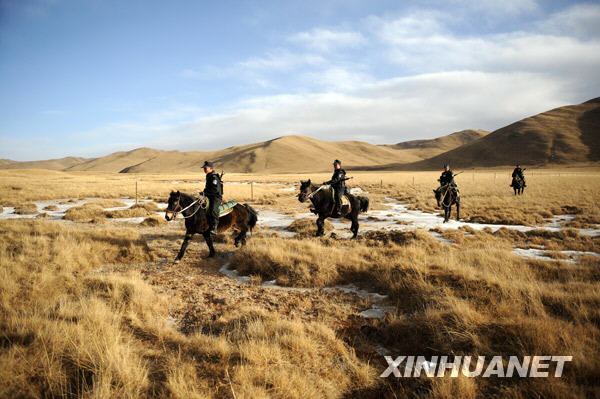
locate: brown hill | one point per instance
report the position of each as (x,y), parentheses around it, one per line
(429,148)
(52,164)
(564,135)
(117,161)
(283,154)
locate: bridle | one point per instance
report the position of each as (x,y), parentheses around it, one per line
(181,209)
(312,193)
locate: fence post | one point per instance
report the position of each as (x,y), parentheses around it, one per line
(136,192)
(381,183)
(413,180)
(252,191)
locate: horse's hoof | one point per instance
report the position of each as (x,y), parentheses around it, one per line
(176,261)
(237,244)
(211,255)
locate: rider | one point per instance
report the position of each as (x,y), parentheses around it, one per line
(213,190)
(338,183)
(519,172)
(447,177)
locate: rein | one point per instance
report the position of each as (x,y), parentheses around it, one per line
(175,212)
(314,192)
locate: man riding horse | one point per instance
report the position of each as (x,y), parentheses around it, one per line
(447,180)
(447,193)
(338,183)
(518,172)
(213,191)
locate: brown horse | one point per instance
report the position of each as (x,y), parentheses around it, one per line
(518,185)
(242,218)
(322,200)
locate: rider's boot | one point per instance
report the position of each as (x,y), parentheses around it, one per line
(213,227)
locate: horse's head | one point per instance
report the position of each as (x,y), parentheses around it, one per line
(438,196)
(173,205)
(305,190)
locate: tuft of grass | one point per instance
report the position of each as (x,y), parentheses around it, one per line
(85,212)
(26,209)
(307,227)
(50,207)
(153,221)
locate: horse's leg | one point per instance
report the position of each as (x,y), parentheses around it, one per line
(209,242)
(320,226)
(188,237)
(354,227)
(457,209)
(241,237)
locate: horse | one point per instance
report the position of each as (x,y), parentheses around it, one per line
(321,197)
(242,218)
(518,185)
(446,196)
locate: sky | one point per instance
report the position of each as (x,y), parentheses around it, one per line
(91,77)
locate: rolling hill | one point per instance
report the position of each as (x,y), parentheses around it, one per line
(564,135)
(569,134)
(52,164)
(283,154)
(429,148)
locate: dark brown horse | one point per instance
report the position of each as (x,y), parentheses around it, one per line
(518,185)
(322,200)
(242,218)
(446,196)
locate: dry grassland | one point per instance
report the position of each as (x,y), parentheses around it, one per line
(80,320)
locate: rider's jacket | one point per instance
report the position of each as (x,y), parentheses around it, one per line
(214,185)
(517,172)
(337,180)
(447,177)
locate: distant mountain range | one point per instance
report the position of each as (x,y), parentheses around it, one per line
(564,135)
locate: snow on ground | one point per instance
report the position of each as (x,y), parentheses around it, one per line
(541,254)
(64,204)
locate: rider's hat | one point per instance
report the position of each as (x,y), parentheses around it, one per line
(207,163)
(446,165)
(337,161)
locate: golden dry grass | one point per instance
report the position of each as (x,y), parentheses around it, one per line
(70,329)
(475,299)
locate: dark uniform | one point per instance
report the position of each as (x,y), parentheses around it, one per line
(213,190)
(338,182)
(447,177)
(519,172)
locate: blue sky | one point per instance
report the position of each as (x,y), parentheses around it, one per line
(90,77)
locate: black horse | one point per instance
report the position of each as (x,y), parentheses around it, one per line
(241,218)
(446,196)
(518,185)
(322,200)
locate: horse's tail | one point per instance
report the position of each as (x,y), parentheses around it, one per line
(364,203)
(252,217)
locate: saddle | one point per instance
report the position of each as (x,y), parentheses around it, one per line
(224,209)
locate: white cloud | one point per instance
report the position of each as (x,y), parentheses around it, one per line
(386,111)
(326,40)
(282,59)
(581,20)
(496,6)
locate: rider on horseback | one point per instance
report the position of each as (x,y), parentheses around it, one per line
(338,183)
(518,172)
(446,180)
(213,190)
